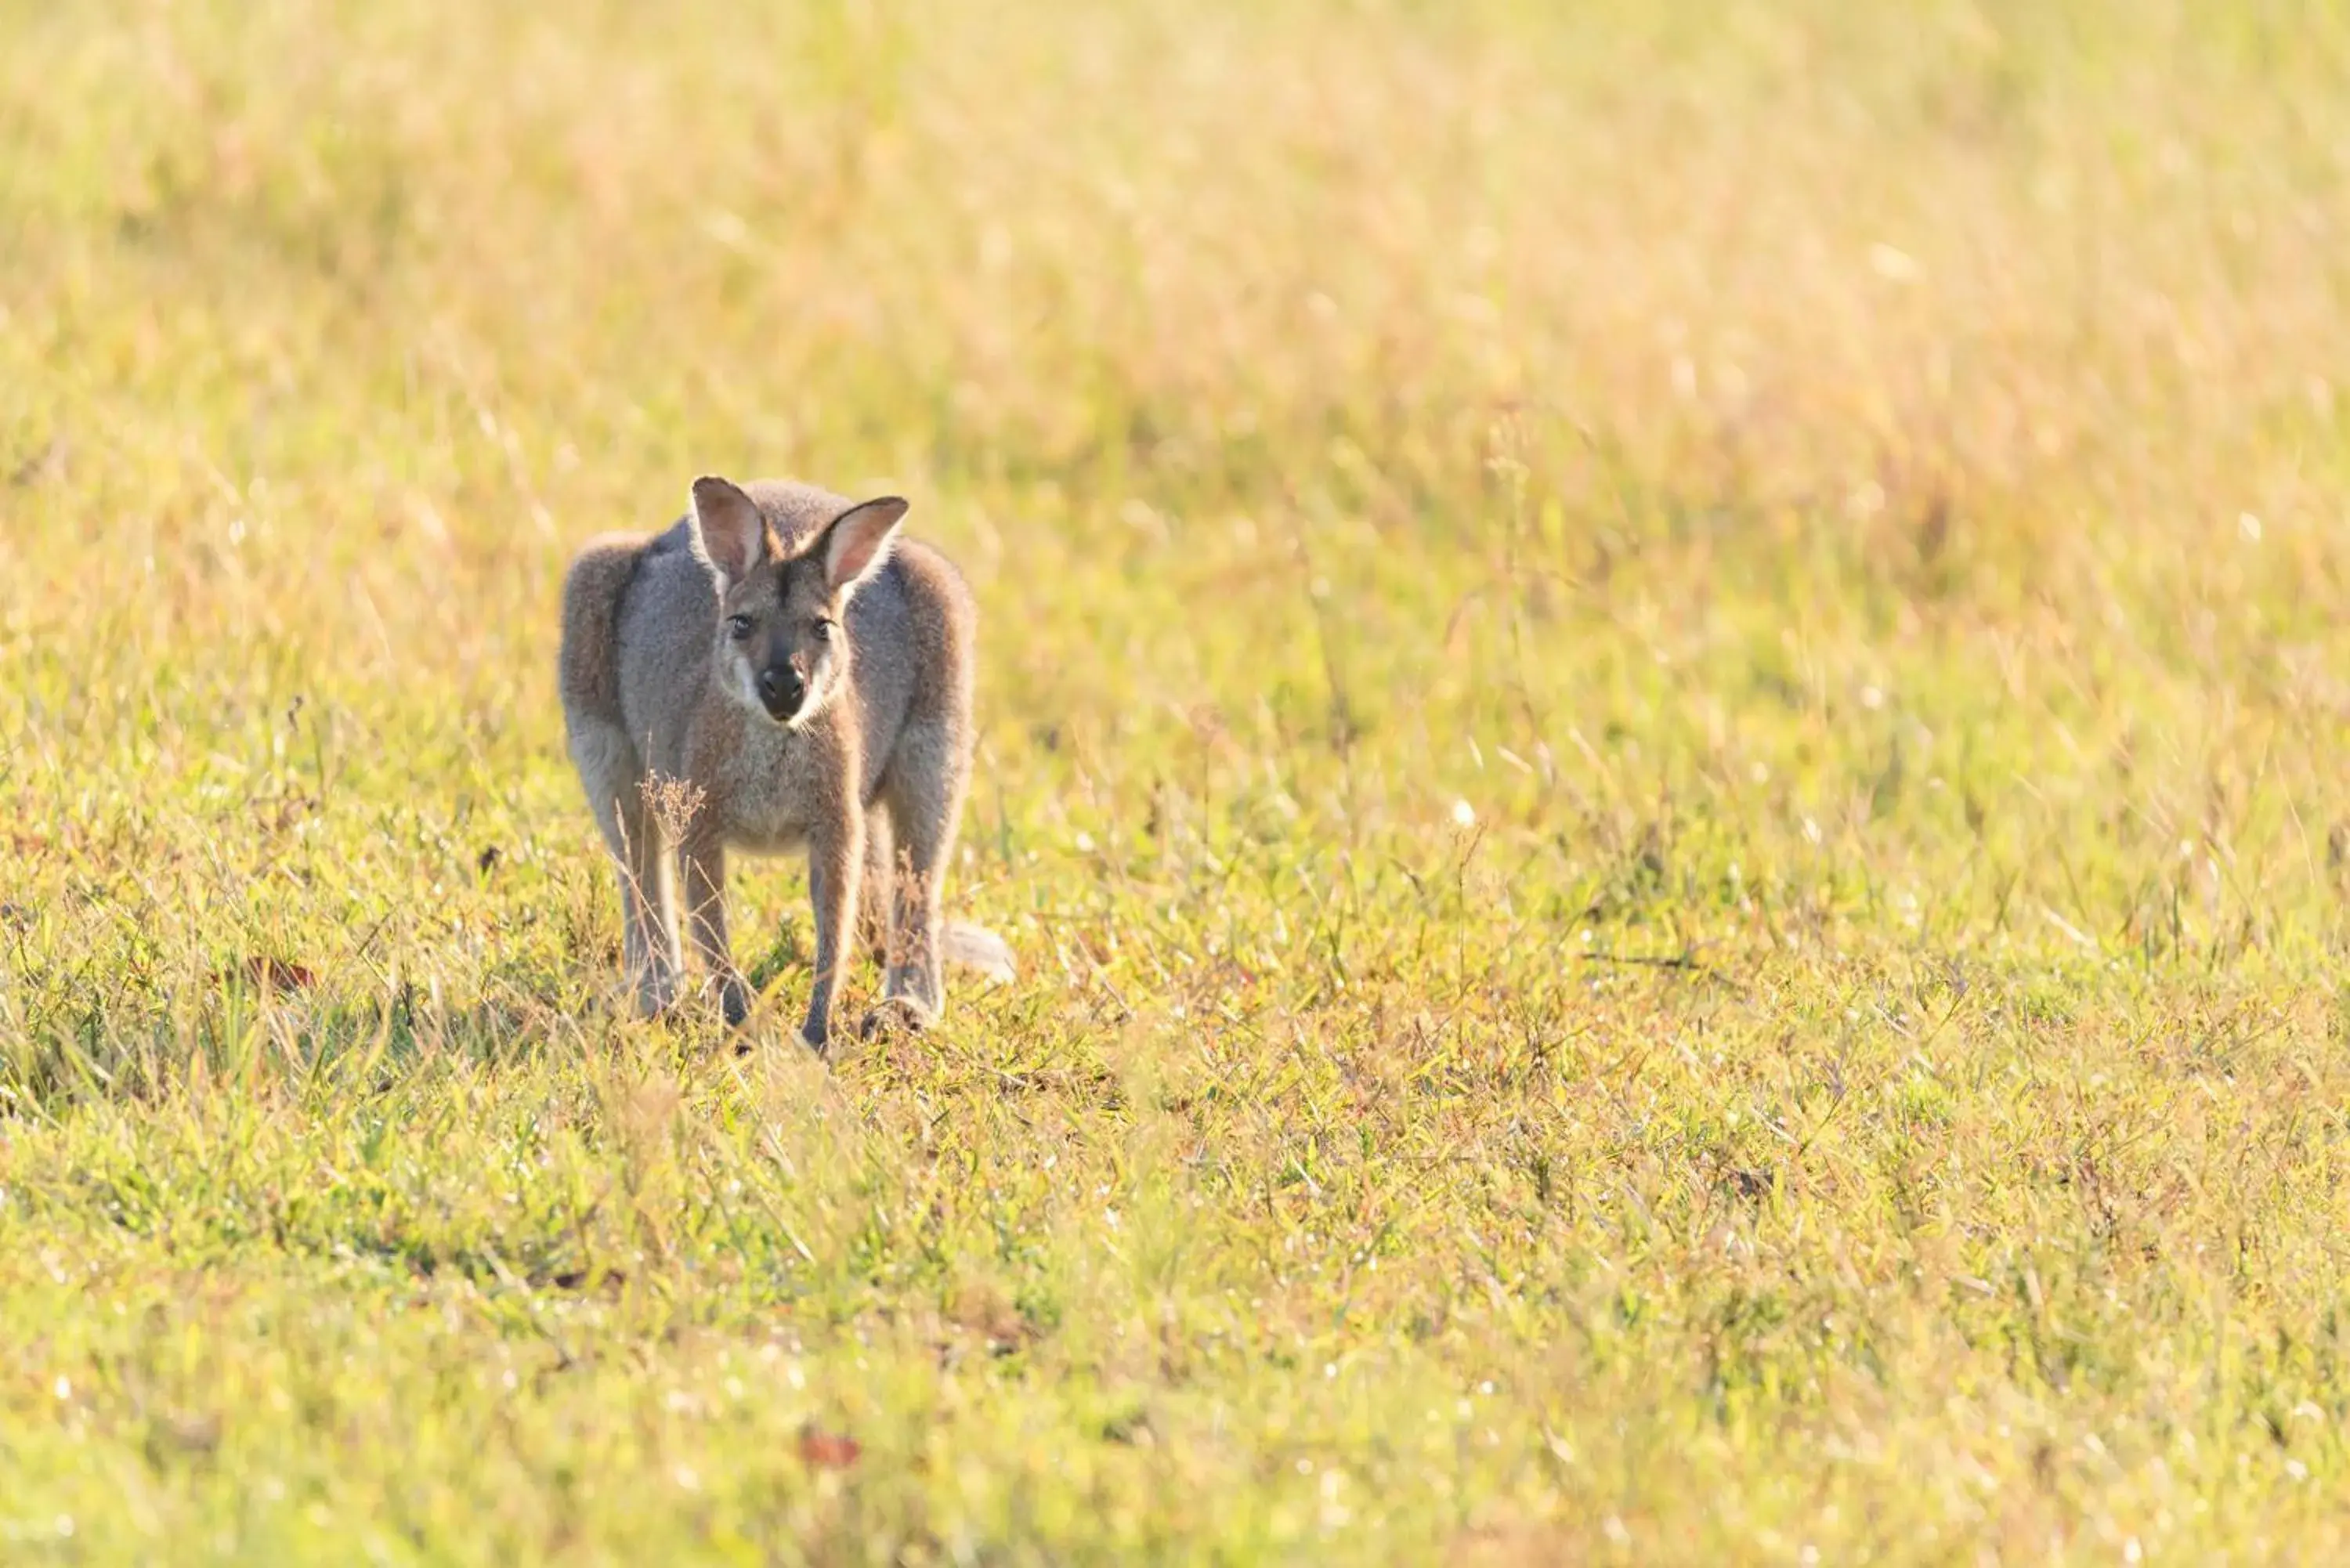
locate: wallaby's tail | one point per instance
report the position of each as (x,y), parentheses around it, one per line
(977,947)
(590,669)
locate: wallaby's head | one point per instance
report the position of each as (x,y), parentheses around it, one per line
(781,650)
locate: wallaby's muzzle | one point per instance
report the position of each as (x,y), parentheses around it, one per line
(782,693)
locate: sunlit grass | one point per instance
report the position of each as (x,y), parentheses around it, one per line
(1665,697)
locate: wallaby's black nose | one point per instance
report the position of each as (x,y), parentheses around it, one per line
(782,691)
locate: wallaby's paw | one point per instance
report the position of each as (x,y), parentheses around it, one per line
(734,1001)
(894,1015)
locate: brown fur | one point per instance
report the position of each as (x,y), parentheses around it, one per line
(778,669)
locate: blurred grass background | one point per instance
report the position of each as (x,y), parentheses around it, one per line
(1665,696)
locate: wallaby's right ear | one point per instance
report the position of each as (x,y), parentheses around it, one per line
(730,537)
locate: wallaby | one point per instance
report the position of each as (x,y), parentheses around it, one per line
(778,668)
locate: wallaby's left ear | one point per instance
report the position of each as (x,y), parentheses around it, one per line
(857,543)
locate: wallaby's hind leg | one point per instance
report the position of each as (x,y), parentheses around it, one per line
(651,891)
(873,905)
(608,770)
(648,903)
(928,772)
(836,867)
(701,861)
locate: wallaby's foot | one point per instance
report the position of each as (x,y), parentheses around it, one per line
(656,994)
(816,1038)
(894,1015)
(734,1001)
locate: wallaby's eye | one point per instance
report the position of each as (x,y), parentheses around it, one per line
(738,627)
(824,631)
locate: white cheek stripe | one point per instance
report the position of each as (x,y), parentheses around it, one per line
(741,685)
(812,709)
(822,690)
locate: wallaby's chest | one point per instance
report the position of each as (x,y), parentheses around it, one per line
(769,788)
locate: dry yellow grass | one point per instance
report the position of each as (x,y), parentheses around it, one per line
(1666,692)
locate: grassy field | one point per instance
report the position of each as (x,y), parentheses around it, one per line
(1667,738)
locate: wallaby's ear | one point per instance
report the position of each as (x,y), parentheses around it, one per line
(857,543)
(729,536)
